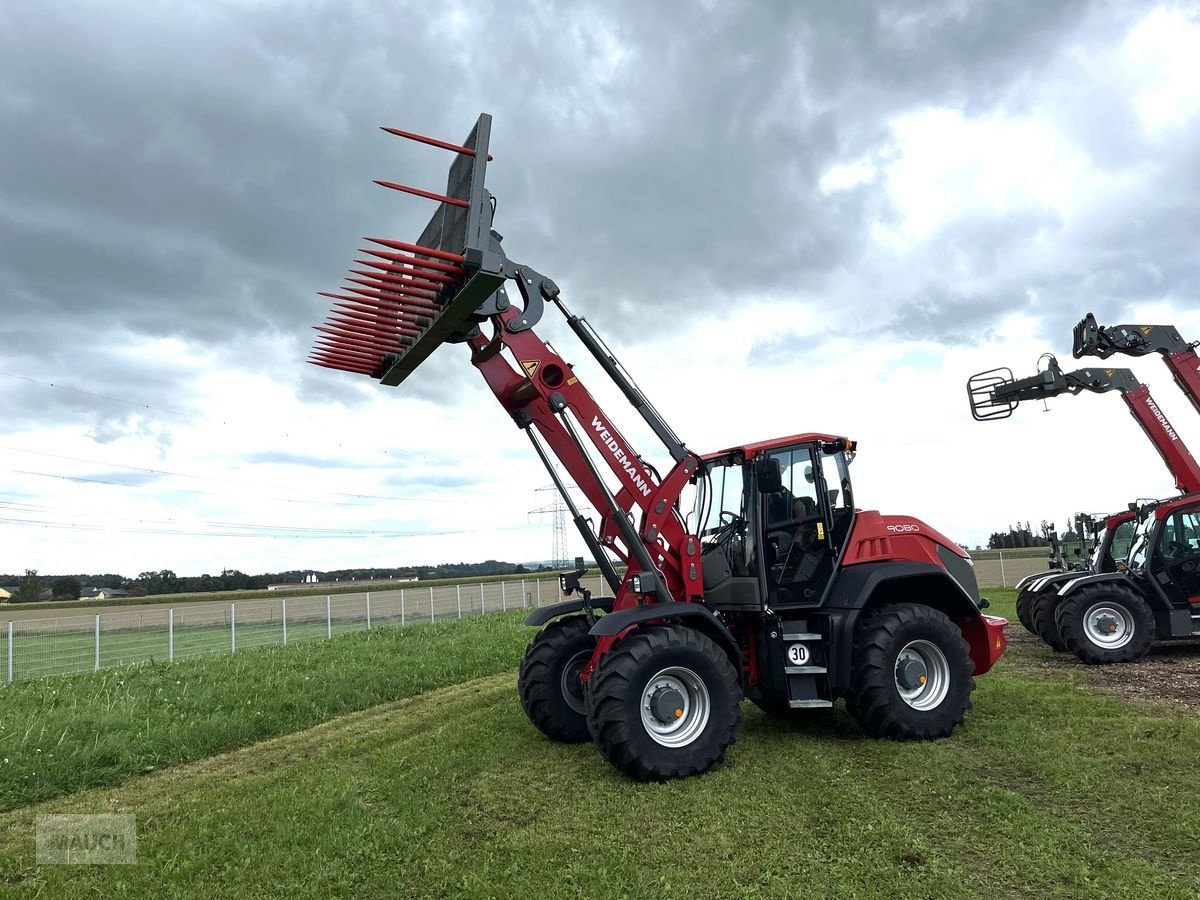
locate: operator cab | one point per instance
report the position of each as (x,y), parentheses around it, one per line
(774,520)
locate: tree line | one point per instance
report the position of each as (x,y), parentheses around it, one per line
(30,586)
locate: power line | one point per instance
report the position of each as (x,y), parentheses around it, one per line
(139,404)
(237,530)
(128,468)
(126,484)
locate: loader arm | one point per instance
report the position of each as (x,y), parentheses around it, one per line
(455,284)
(1093,339)
(995,394)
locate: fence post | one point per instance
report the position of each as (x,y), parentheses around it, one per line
(458,590)
(328,618)
(368,610)
(431,603)
(170,635)
(539,591)
(1003,580)
(482,601)
(503,596)
(524,596)
(10,645)
(401,607)
(97,643)
(232,628)
(283,615)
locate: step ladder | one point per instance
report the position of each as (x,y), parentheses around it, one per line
(805,664)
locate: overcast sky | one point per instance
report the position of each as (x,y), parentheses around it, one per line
(783,217)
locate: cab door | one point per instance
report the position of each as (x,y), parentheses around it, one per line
(796,529)
(1176,564)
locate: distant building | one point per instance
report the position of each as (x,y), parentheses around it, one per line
(102,593)
(5,595)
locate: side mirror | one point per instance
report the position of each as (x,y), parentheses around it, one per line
(768,475)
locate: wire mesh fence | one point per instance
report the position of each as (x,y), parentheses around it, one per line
(81,643)
(71,644)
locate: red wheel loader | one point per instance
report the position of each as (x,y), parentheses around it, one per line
(771,585)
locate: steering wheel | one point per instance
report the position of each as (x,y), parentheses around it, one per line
(734,518)
(1175,549)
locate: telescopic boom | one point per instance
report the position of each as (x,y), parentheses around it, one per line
(996,393)
(1093,339)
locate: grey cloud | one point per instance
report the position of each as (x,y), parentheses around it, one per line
(202,175)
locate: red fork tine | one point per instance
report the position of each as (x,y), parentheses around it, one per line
(337,356)
(428,195)
(361,332)
(398,274)
(414,261)
(386,282)
(371,327)
(417,248)
(395,293)
(353,370)
(433,142)
(402,316)
(352,340)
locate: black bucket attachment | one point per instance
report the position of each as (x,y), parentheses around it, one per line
(981,390)
(411,297)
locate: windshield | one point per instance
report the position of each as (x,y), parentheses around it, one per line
(1141,543)
(720,498)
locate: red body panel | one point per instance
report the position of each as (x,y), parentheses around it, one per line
(985,637)
(880,538)
(752,450)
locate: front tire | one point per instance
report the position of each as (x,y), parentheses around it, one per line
(664,703)
(1024,610)
(1045,608)
(548,682)
(1106,623)
(910,677)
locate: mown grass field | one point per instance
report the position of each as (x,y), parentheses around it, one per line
(437,786)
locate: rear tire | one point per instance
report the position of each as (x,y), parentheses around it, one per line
(1107,623)
(1024,613)
(910,677)
(664,703)
(548,683)
(1044,605)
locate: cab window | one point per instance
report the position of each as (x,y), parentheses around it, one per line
(1180,537)
(1121,541)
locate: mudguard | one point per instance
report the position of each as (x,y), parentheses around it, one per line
(616,623)
(854,588)
(1083,580)
(1051,579)
(1029,579)
(543,614)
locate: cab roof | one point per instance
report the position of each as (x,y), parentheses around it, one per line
(752,450)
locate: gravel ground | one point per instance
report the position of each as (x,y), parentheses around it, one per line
(1171,672)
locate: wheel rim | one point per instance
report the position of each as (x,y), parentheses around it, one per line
(922,675)
(1108,625)
(675,706)
(569,683)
